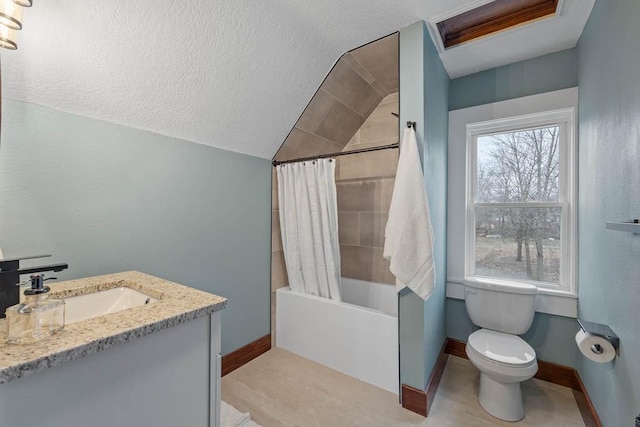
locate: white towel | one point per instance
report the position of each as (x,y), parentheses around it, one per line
(408,236)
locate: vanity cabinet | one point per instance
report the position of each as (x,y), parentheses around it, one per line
(168,378)
(155,365)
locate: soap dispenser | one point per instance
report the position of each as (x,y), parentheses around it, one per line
(37,316)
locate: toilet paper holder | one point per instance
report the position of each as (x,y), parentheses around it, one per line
(603,331)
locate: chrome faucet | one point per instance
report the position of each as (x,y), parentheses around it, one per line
(10,272)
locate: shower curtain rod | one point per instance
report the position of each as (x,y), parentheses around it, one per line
(343,153)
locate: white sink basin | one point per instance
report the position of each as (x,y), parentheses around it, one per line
(96,304)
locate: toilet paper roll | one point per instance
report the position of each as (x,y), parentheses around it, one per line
(588,345)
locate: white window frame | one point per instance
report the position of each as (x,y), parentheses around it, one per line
(566,120)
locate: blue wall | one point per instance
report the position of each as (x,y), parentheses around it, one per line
(545,73)
(552,337)
(609,272)
(436,140)
(412,108)
(424,99)
(108,198)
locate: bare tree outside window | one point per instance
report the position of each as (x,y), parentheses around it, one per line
(520,242)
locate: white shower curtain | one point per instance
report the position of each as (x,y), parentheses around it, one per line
(309,225)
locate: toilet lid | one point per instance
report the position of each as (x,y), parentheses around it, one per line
(502,348)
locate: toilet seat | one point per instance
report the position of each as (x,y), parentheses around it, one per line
(504,361)
(502,349)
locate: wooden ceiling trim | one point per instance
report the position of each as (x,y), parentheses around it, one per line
(493,17)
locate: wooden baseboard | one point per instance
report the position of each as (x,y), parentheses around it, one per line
(557,374)
(436,375)
(551,372)
(235,359)
(414,400)
(587,410)
(419,401)
(455,348)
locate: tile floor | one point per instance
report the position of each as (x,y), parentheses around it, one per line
(280,388)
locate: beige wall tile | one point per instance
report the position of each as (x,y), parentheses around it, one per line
(348,228)
(316,111)
(394,97)
(349,262)
(340,124)
(353,141)
(380,128)
(379,88)
(300,143)
(359,87)
(356,262)
(372,225)
(353,166)
(367,260)
(387,192)
(367,264)
(279,277)
(368,144)
(344,84)
(358,68)
(339,161)
(381,124)
(380,268)
(381,60)
(382,163)
(276,237)
(331,148)
(355,87)
(284,153)
(359,195)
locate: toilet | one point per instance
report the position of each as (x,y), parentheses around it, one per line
(503,311)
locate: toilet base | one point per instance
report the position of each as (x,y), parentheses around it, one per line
(502,400)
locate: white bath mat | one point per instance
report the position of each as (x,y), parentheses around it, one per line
(231,417)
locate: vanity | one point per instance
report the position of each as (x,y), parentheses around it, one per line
(154,363)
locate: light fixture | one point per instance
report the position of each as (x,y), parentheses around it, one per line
(11,21)
(8,37)
(11,14)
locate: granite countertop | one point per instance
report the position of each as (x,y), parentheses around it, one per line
(177,304)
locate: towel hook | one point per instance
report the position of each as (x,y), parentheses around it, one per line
(411,125)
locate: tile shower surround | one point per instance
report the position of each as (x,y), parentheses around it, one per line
(364,185)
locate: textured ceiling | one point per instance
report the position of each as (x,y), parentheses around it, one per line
(232,74)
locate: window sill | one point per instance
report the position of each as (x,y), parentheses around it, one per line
(549,301)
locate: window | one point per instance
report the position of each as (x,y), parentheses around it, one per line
(520,200)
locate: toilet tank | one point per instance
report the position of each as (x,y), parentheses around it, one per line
(503,307)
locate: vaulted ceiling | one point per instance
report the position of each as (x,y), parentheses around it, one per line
(233,74)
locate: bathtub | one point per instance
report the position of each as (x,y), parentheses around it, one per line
(358,336)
